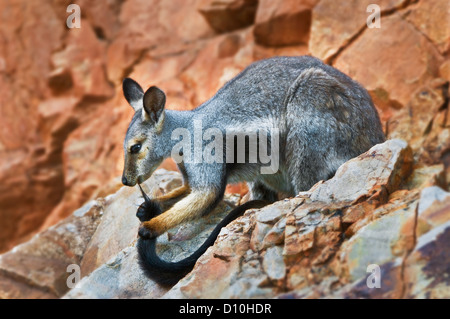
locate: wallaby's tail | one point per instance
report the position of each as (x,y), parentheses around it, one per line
(169,273)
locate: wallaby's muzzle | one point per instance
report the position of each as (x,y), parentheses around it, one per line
(130,173)
(125,181)
(128,179)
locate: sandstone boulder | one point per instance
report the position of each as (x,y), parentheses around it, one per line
(302,247)
(378,215)
(336,24)
(39,267)
(282,23)
(427,17)
(391,87)
(86,240)
(228,15)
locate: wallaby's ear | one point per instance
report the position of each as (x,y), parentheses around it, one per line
(133,93)
(154,102)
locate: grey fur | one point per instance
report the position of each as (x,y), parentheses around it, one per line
(324,119)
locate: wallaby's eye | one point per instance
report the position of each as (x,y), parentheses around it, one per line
(135,148)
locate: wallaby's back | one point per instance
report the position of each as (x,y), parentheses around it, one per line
(262,91)
(325,118)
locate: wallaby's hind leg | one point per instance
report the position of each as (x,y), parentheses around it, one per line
(305,165)
(324,115)
(258,191)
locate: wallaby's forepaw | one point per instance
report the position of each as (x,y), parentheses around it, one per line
(148,210)
(144,213)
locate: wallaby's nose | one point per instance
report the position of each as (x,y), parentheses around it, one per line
(124,181)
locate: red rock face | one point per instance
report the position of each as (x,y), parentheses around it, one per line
(63,117)
(284,22)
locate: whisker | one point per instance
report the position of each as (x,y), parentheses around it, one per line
(144,195)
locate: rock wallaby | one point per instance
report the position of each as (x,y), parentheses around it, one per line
(281,125)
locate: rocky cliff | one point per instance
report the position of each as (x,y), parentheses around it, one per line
(64,119)
(378,213)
